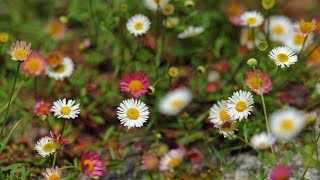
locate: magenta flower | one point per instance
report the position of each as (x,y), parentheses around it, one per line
(136,83)
(34,65)
(42,108)
(58,140)
(262,80)
(280,172)
(91,164)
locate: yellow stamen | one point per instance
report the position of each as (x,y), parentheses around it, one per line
(20,54)
(251,20)
(48,148)
(223,115)
(33,65)
(138,25)
(65,110)
(298,39)
(286,125)
(89,165)
(53,177)
(176,104)
(133,114)
(59,69)
(135,86)
(278,29)
(253,82)
(241,106)
(306,27)
(282,57)
(173,162)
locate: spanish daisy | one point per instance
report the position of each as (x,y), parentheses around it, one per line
(218,113)
(287,123)
(52,173)
(34,65)
(252,18)
(175,101)
(246,38)
(280,172)
(138,24)
(171,22)
(20,51)
(45,146)
(295,41)
(306,27)
(64,108)
(133,113)
(262,140)
(58,140)
(54,58)
(136,83)
(191,31)
(153,5)
(167,10)
(258,82)
(42,108)
(55,29)
(283,56)
(65,69)
(239,105)
(227,128)
(171,159)
(92,164)
(280,27)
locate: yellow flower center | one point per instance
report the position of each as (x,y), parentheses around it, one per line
(48,148)
(227,126)
(306,27)
(241,106)
(254,82)
(135,86)
(224,115)
(33,65)
(298,39)
(176,104)
(133,113)
(20,54)
(53,177)
(138,25)
(89,165)
(234,9)
(65,110)
(251,20)
(286,125)
(59,69)
(263,145)
(173,162)
(278,29)
(282,57)
(4,37)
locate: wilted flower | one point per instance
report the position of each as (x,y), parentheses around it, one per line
(58,140)
(150,162)
(4,37)
(55,29)
(167,10)
(54,59)
(234,11)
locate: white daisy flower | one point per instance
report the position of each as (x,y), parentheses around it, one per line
(138,24)
(280,28)
(239,105)
(251,18)
(45,146)
(294,41)
(191,31)
(65,69)
(65,109)
(262,140)
(175,101)
(283,56)
(153,5)
(133,113)
(171,159)
(227,128)
(218,113)
(287,123)
(246,37)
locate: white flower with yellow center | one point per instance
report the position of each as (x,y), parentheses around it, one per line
(153,5)
(294,41)
(191,31)
(239,105)
(246,37)
(65,69)
(175,101)
(287,123)
(65,109)
(20,51)
(262,140)
(138,24)
(251,18)
(45,146)
(280,27)
(133,113)
(171,159)
(283,56)
(227,128)
(218,113)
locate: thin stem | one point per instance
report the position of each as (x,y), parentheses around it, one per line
(303,45)
(54,159)
(94,22)
(254,40)
(246,142)
(117,148)
(268,26)
(9,103)
(277,72)
(35,87)
(310,52)
(63,126)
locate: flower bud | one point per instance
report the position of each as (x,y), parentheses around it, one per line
(263,45)
(189,3)
(252,62)
(173,72)
(201,69)
(267,4)
(63,19)
(4,37)
(151,90)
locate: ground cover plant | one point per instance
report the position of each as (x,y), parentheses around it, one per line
(159,89)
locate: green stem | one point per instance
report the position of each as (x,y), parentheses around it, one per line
(63,126)
(9,103)
(303,45)
(94,22)
(117,148)
(54,159)
(310,52)
(254,40)
(268,26)
(277,72)
(246,142)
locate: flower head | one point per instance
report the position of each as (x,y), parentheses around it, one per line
(239,105)
(295,41)
(171,160)
(280,27)
(258,82)
(45,146)
(153,5)
(280,172)
(191,31)
(252,18)
(283,56)
(262,140)
(150,161)
(54,59)
(306,27)
(64,108)
(133,113)
(167,10)
(136,83)
(20,51)
(92,164)
(52,173)
(42,108)
(58,140)
(138,24)
(63,70)
(34,65)
(227,128)
(218,113)
(234,11)
(55,29)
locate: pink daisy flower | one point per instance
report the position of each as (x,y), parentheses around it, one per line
(52,173)
(280,172)
(305,27)
(136,83)
(91,164)
(42,108)
(253,80)
(34,65)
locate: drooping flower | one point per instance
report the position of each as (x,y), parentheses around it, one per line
(42,108)
(239,105)
(251,18)
(52,173)
(34,65)
(262,140)
(227,128)
(175,101)
(138,25)
(280,172)
(45,146)
(280,27)
(58,140)
(133,113)
(136,83)
(55,29)
(153,5)
(92,164)
(171,159)
(64,108)
(20,51)
(190,32)
(258,82)
(218,113)
(306,27)
(63,70)
(283,56)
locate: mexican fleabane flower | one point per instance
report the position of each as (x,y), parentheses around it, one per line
(138,25)
(91,164)
(64,108)
(20,51)
(136,83)
(258,82)
(239,105)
